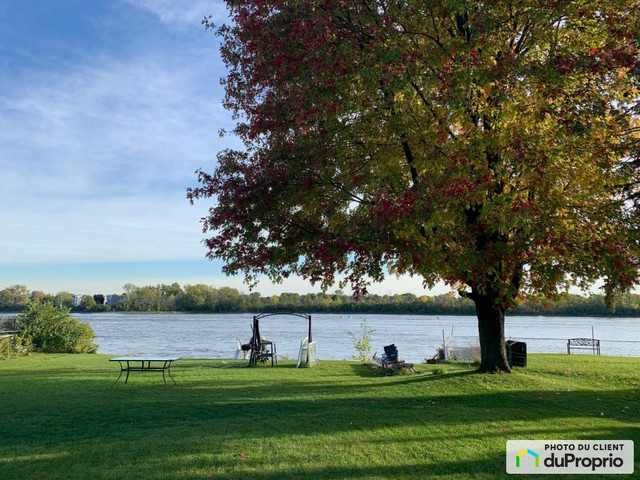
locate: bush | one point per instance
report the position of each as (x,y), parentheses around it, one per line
(362,343)
(439,370)
(13,346)
(52,329)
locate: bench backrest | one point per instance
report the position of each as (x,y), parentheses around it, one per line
(584,344)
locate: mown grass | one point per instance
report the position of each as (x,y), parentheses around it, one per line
(339,420)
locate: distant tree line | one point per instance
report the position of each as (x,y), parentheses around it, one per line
(207,299)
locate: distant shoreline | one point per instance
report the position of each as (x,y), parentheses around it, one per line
(206,299)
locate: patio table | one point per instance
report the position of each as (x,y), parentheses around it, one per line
(145,364)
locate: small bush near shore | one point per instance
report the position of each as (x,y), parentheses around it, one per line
(13,346)
(51,329)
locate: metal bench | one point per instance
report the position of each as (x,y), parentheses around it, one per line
(592,344)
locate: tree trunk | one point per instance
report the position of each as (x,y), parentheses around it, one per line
(491,330)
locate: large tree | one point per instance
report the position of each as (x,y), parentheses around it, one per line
(493,145)
(14,297)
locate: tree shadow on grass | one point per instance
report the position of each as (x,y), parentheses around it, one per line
(192,458)
(64,423)
(375,371)
(190,454)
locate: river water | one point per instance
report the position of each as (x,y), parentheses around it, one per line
(416,336)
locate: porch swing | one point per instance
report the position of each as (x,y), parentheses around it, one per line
(263,350)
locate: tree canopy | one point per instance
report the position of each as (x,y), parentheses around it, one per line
(493,145)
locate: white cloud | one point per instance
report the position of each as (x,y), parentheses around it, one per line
(96,159)
(183,12)
(112,111)
(114,230)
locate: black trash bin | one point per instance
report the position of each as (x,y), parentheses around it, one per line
(516,353)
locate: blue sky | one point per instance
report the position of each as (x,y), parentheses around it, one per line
(107,108)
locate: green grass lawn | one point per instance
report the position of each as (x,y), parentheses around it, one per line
(338,420)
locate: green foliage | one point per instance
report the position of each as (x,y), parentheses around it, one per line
(362,342)
(205,298)
(14,346)
(14,298)
(63,299)
(440,370)
(52,329)
(490,145)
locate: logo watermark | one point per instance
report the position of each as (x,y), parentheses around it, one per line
(527,452)
(570,456)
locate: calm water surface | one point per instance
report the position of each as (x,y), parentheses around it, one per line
(416,336)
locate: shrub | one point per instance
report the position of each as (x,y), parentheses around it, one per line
(13,346)
(440,370)
(362,343)
(52,329)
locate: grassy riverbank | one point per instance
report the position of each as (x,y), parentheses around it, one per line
(340,420)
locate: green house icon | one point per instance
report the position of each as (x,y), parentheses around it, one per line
(525,452)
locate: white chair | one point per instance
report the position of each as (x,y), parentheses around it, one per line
(304,345)
(240,350)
